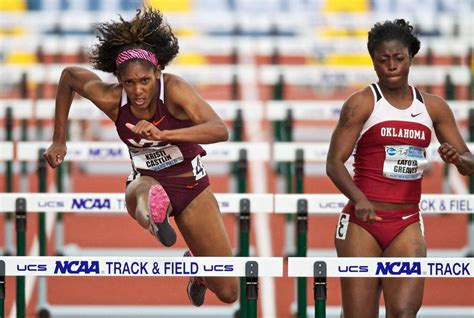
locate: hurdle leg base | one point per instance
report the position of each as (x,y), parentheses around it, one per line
(44,313)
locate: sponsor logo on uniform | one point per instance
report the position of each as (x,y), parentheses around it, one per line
(391,151)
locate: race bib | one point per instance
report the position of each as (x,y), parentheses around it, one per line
(404,162)
(156,158)
(198,168)
(342,226)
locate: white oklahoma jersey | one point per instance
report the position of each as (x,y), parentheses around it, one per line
(390,154)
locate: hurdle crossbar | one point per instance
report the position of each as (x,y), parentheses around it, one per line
(331,109)
(382,267)
(250,268)
(333,203)
(83,109)
(141,266)
(326,75)
(219,74)
(6,150)
(117,151)
(252,110)
(115,202)
(222,152)
(424,312)
(317,151)
(224,74)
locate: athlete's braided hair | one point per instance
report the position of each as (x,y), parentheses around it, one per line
(147,30)
(398,29)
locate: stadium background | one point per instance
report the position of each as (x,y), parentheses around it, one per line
(241,50)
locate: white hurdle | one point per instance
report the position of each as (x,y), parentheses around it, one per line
(330,109)
(317,151)
(115,202)
(381,267)
(333,203)
(320,268)
(40,267)
(91,203)
(118,152)
(224,74)
(6,150)
(305,204)
(430,205)
(225,152)
(219,74)
(91,266)
(83,109)
(330,76)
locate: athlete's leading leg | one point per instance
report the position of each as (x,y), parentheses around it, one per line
(148,203)
(203,230)
(403,296)
(360,296)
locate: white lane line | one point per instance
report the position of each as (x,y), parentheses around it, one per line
(253,128)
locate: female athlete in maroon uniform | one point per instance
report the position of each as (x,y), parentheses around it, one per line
(389,125)
(162,120)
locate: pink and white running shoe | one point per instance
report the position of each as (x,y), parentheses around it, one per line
(158,203)
(196,288)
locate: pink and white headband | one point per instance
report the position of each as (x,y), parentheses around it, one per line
(136,54)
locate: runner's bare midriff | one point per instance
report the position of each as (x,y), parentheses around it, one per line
(186,174)
(393,206)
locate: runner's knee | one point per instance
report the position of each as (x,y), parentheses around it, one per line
(228,292)
(402,310)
